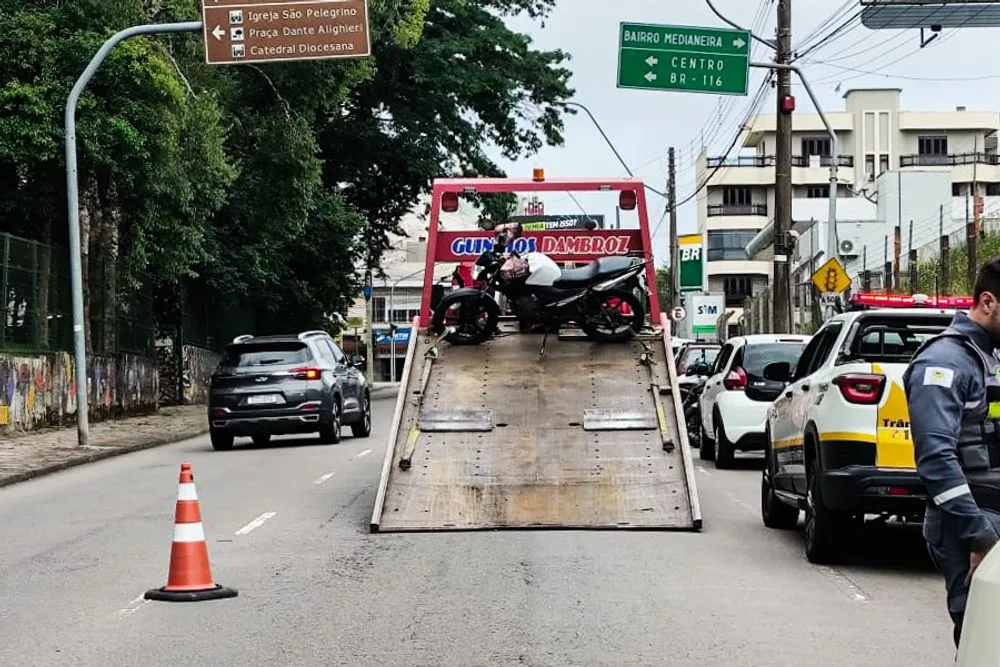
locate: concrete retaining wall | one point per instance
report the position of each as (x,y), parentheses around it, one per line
(40,390)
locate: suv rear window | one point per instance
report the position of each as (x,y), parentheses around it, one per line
(893,340)
(758,355)
(249,355)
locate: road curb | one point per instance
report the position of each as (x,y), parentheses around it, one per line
(93,457)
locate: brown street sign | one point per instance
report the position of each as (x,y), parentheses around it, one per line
(245,31)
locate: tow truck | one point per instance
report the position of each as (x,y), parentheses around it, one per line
(499,435)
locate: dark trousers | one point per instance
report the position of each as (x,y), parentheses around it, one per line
(950,555)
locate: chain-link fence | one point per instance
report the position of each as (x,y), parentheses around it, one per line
(37,309)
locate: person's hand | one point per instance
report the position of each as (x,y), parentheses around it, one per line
(975,558)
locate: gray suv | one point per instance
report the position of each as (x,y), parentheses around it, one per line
(277,385)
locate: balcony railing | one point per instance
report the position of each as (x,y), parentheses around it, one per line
(768,161)
(824,160)
(736,209)
(950,160)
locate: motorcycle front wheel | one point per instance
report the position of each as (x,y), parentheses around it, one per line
(616,316)
(472,315)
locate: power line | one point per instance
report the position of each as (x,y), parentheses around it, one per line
(758,99)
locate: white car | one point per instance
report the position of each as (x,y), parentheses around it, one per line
(731,420)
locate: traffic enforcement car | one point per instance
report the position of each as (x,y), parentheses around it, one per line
(838,437)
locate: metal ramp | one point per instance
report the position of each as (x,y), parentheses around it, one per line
(504,439)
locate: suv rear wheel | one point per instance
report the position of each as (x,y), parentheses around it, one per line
(363,427)
(330,433)
(828,531)
(221,441)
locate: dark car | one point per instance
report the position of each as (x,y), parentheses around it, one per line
(278,385)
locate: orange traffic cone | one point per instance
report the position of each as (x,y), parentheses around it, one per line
(190,577)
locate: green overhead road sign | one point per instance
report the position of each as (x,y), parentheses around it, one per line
(676,57)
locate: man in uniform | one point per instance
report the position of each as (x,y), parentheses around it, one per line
(953,393)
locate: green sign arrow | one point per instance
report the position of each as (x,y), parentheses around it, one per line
(685,58)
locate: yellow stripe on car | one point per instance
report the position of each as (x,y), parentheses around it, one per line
(894,445)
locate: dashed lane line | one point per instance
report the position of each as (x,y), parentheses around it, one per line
(255,524)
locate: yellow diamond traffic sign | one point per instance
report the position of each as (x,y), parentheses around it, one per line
(831,277)
(355,322)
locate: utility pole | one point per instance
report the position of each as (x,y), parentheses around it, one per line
(672,204)
(783,172)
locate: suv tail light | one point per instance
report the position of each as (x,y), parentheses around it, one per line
(736,379)
(306,373)
(864,388)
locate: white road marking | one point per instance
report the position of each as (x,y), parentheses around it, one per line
(255,524)
(703,471)
(133,606)
(361,454)
(842,582)
(324,478)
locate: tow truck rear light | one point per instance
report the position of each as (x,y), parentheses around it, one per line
(736,379)
(627,200)
(306,373)
(863,388)
(449,202)
(218,412)
(898,491)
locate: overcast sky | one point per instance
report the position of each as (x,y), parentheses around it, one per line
(959,68)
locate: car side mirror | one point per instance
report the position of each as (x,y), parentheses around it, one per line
(357,362)
(779,371)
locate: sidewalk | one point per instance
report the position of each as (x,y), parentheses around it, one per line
(37,453)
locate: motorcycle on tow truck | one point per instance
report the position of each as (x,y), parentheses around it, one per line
(601,297)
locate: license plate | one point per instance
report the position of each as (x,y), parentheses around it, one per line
(263,399)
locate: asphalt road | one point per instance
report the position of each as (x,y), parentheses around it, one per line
(287,526)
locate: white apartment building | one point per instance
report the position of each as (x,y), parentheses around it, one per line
(873,136)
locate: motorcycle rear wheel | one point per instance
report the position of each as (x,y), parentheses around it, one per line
(598,331)
(472,332)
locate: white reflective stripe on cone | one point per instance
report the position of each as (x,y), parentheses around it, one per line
(189,532)
(186,491)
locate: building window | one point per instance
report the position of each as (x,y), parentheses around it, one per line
(378,308)
(932,145)
(956,189)
(870,167)
(737,289)
(817,192)
(729,244)
(993,189)
(736,197)
(816,146)
(883,164)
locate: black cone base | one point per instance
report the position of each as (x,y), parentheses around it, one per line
(218,593)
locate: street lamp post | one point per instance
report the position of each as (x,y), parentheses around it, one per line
(389,317)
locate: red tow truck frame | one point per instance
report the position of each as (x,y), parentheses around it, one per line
(569,245)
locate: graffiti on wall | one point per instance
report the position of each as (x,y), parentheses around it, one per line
(40,390)
(197,366)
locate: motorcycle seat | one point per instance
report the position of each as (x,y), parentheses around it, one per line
(598,270)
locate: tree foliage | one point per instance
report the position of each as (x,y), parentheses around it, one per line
(930,273)
(263,189)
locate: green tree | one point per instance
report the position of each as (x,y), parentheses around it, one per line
(432,108)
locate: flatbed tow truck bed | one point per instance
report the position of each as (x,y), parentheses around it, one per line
(506,439)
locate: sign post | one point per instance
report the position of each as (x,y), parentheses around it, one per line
(830,281)
(683,58)
(244,31)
